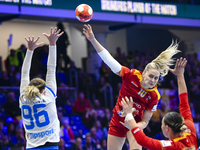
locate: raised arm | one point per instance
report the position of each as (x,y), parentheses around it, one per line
(102,52)
(51,63)
(179,72)
(140,137)
(32,45)
(184,107)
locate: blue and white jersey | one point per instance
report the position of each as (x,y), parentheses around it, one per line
(39,116)
(40,119)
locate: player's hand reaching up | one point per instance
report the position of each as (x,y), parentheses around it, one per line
(53,36)
(32,43)
(179,67)
(87,31)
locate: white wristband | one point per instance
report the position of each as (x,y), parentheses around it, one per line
(129,116)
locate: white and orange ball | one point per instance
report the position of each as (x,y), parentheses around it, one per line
(84,12)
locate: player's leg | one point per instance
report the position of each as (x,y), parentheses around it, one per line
(114,142)
(132,142)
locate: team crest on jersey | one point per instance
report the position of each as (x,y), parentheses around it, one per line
(121,113)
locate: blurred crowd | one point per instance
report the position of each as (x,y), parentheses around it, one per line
(85,119)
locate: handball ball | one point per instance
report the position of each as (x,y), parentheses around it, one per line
(84,12)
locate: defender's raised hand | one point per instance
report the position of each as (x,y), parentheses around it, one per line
(127,105)
(32,43)
(179,67)
(53,36)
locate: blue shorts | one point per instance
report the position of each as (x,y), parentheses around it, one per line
(45,148)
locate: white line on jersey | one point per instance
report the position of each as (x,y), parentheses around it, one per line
(134,83)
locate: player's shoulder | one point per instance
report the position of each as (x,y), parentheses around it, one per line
(132,70)
(48,92)
(154,93)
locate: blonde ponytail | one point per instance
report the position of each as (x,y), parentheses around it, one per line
(33,90)
(30,93)
(183,127)
(164,60)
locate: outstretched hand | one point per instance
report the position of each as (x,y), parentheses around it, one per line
(32,43)
(87,31)
(179,67)
(127,108)
(127,105)
(53,36)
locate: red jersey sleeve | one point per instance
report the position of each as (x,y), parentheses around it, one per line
(185,111)
(126,72)
(145,141)
(184,107)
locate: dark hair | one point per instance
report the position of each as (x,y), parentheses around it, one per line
(60,26)
(175,121)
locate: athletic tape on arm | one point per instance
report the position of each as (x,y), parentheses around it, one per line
(110,61)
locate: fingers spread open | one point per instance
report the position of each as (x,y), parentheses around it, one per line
(60,34)
(37,39)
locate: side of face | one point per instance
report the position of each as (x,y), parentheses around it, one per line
(165,129)
(150,78)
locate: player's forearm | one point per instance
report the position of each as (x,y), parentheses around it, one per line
(181,84)
(142,124)
(27,62)
(106,57)
(145,141)
(51,69)
(98,47)
(26,69)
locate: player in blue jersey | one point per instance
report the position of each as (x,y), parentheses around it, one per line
(37,99)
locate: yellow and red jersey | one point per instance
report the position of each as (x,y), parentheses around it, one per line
(144,99)
(188,141)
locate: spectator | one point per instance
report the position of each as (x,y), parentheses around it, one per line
(103,144)
(11,60)
(77,145)
(105,121)
(43,57)
(89,145)
(18,140)
(10,131)
(3,136)
(90,118)
(62,44)
(82,104)
(5,80)
(61,144)
(99,132)
(20,54)
(11,106)
(101,89)
(67,133)
(68,107)
(105,72)
(98,109)
(119,56)
(62,95)
(94,138)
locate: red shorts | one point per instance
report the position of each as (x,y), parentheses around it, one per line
(116,128)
